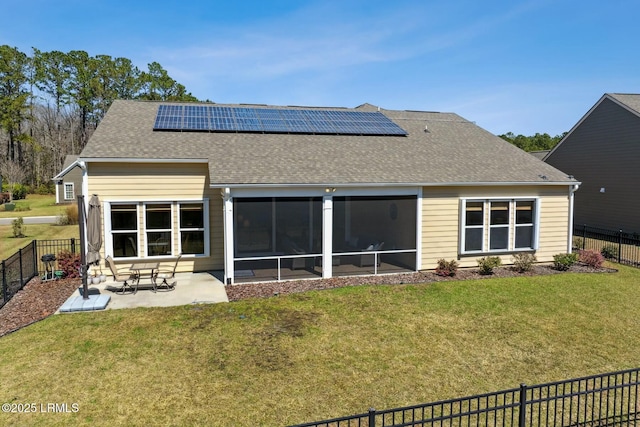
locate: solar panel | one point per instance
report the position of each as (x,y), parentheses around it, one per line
(273,120)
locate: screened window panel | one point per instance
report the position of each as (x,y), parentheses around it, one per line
(474,213)
(158,217)
(499,238)
(192,242)
(524,236)
(473,239)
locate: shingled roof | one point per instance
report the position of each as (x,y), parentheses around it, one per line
(440,148)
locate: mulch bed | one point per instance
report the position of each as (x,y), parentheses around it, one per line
(268,289)
(38,300)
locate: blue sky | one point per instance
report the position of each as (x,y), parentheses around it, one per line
(519,66)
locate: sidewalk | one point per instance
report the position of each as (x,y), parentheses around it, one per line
(31,220)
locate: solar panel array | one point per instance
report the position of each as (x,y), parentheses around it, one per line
(271,120)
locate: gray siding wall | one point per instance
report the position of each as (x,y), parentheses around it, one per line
(604,152)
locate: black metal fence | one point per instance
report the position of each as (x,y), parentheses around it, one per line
(616,245)
(24,265)
(610,399)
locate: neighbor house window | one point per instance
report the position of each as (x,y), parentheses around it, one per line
(158,228)
(124,230)
(69,194)
(509,225)
(192,228)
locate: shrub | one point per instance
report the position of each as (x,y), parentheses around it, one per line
(523,261)
(19,191)
(563,262)
(45,189)
(591,258)
(69,216)
(18,227)
(69,263)
(446,268)
(609,251)
(578,242)
(487,264)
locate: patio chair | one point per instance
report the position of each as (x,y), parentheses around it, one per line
(168,272)
(119,275)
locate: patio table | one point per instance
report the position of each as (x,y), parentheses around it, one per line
(144,268)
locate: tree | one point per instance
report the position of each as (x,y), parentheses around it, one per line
(13,173)
(14,96)
(159,86)
(537,142)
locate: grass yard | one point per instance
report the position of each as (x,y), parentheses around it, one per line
(10,245)
(34,205)
(310,356)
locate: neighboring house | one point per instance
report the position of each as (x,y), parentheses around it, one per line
(290,192)
(539,154)
(603,152)
(68,181)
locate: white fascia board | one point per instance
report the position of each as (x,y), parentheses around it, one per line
(142,160)
(76,163)
(393,185)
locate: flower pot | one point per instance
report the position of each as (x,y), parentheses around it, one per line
(103,278)
(95,280)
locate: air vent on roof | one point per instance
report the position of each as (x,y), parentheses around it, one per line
(274,120)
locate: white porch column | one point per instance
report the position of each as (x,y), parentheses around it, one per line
(327,236)
(227,207)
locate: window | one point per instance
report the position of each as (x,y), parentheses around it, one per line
(474,226)
(124,230)
(509,225)
(192,227)
(524,224)
(158,228)
(69,194)
(499,226)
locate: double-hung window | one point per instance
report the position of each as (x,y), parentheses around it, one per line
(498,225)
(69,194)
(124,230)
(158,227)
(192,228)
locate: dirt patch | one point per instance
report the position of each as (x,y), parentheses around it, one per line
(269,289)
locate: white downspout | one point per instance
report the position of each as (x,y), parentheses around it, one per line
(327,237)
(572,190)
(227,207)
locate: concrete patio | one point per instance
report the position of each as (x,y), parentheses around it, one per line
(190,288)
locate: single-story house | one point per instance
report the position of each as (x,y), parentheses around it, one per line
(602,150)
(264,192)
(69,181)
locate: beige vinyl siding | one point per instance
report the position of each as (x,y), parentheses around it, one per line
(163,182)
(441,221)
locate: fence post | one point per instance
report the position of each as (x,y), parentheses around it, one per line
(523,405)
(619,245)
(584,235)
(4,281)
(372,417)
(35,257)
(73,245)
(20,266)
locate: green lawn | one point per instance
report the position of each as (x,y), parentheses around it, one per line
(34,205)
(10,245)
(310,356)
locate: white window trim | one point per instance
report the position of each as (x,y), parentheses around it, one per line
(147,231)
(175,205)
(486,224)
(205,229)
(66,185)
(108,245)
